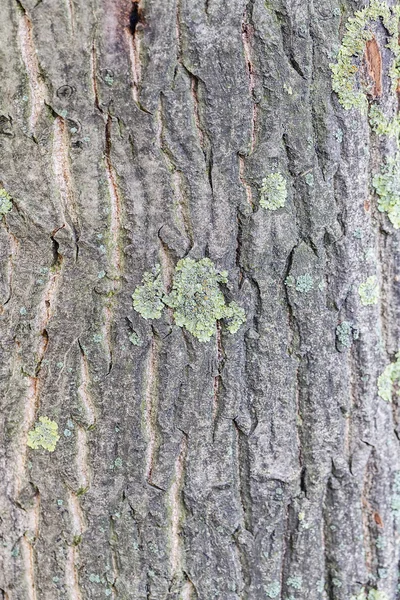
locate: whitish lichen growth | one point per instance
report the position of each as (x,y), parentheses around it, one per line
(371,595)
(295,582)
(303,283)
(346,332)
(5,202)
(45,435)
(273,191)
(369,291)
(358,31)
(196,299)
(135,339)
(381,124)
(147,298)
(387,186)
(389,379)
(273,589)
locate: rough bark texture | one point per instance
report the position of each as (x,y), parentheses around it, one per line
(258,465)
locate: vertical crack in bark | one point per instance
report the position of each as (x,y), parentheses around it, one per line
(150,408)
(247,32)
(77,529)
(93,66)
(29,57)
(246,186)
(133,38)
(178,31)
(115,204)
(243,497)
(62,171)
(27,546)
(83,390)
(114,250)
(71,14)
(176,508)
(14,247)
(114,557)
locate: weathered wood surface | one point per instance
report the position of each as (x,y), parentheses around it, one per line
(260,465)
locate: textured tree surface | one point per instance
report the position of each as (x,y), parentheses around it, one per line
(256,465)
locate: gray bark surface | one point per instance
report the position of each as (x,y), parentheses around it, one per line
(258,465)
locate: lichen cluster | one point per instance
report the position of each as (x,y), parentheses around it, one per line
(45,435)
(273,191)
(303,283)
(358,31)
(5,202)
(389,379)
(196,298)
(346,332)
(369,291)
(387,187)
(147,298)
(370,595)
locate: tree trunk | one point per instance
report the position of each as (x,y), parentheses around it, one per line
(261,463)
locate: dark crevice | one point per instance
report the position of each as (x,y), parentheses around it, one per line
(135,17)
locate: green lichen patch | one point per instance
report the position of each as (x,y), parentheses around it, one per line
(135,339)
(303,283)
(273,589)
(5,202)
(147,298)
(197,300)
(358,32)
(273,191)
(371,595)
(381,124)
(387,187)
(44,435)
(369,291)
(346,332)
(389,380)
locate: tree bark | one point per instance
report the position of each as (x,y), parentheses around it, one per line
(258,465)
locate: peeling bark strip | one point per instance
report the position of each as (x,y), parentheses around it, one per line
(150,409)
(177,513)
(71,564)
(36,85)
(374,65)
(133,39)
(115,205)
(61,165)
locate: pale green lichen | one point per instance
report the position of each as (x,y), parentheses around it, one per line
(273,589)
(369,291)
(303,283)
(135,339)
(371,595)
(381,125)
(346,332)
(147,298)
(295,582)
(351,92)
(196,299)
(5,202)
(273,191)
(45,435)
(387,186)
(389,379)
